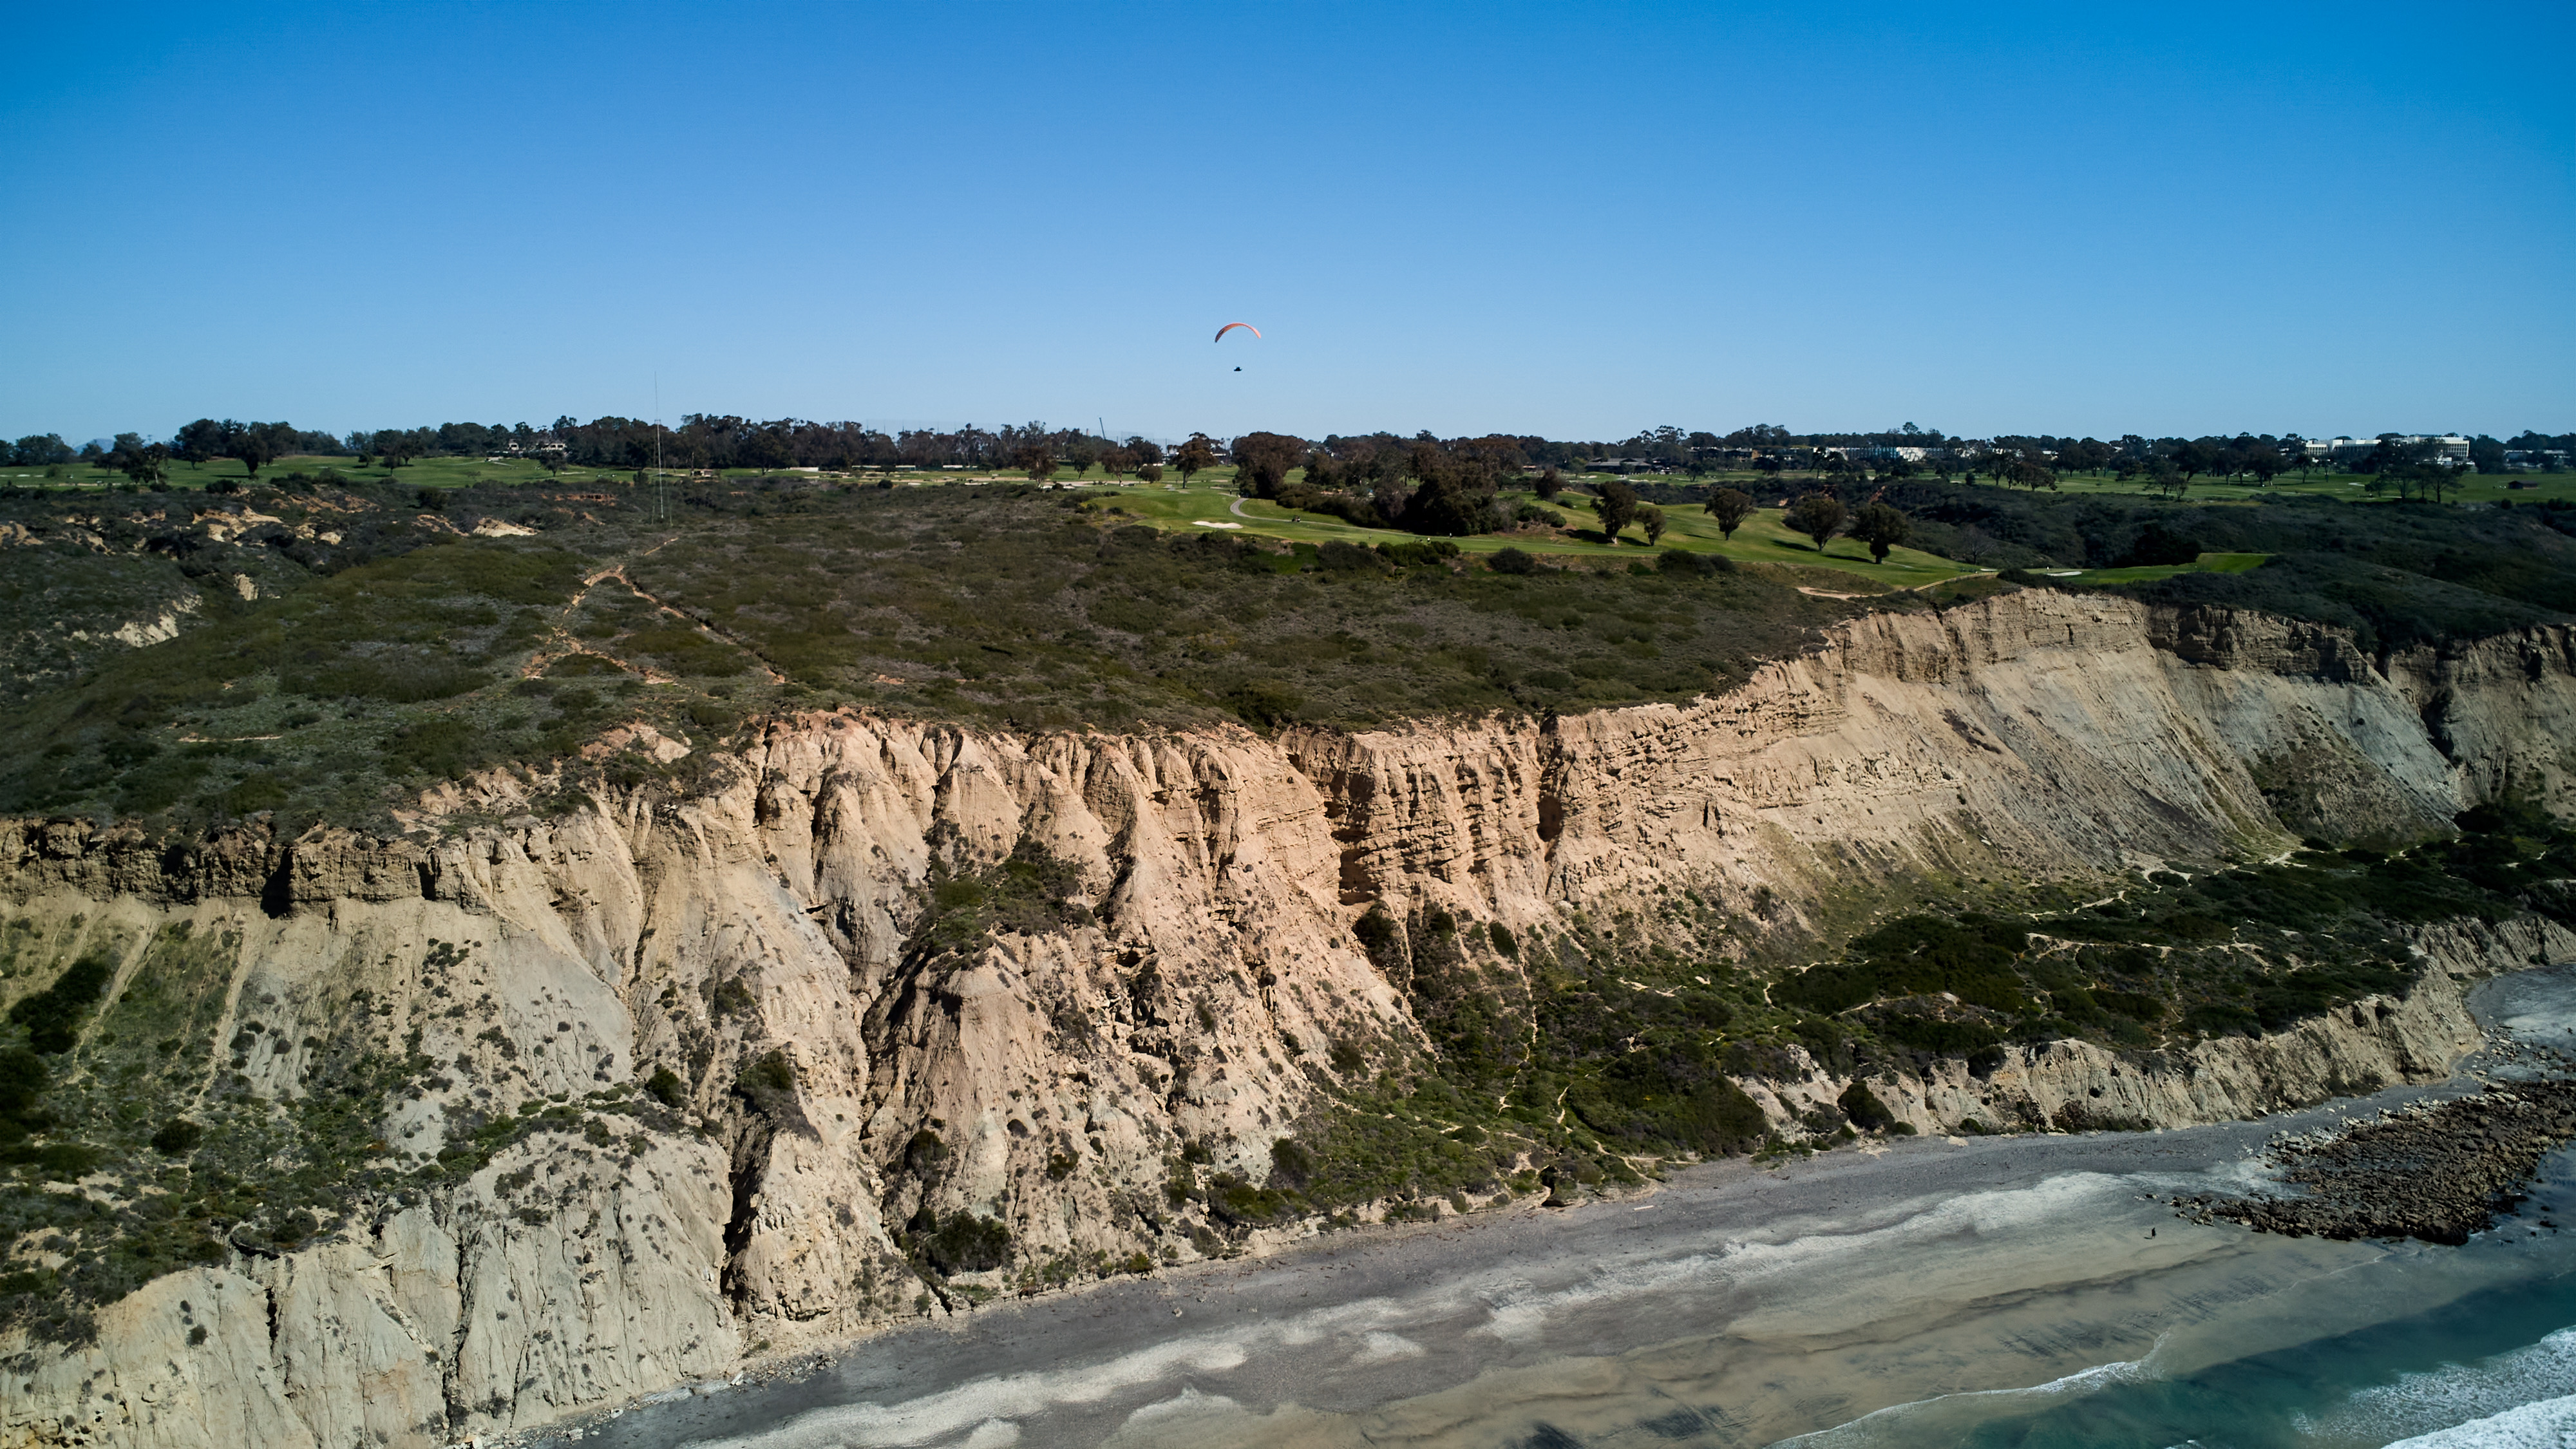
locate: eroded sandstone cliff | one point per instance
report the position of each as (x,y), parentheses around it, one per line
(760,953)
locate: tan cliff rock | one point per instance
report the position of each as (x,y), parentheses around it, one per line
(764,924)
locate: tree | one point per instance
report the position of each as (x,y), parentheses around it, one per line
(2029,475)
(1194,457)
(1653,519)
(1551,482)
(1262,461)
(41,450)
(1081,451)
(1149,473)
(1880,526)
(143,462)
(254,445)
(1617,506)
(1818,515)
(1144,452)
(1037,460)
(1456,496)
(201,441)
(1730,507)
(2265,462)
(1117,462)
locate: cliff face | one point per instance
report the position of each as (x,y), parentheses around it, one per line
(761,951)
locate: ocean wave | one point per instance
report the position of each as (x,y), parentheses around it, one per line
(1923,1419)
(2549,1424)
(1522,1313)
(1003,1398)
(2444,1406)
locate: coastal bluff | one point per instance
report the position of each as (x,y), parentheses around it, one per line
(729,1004)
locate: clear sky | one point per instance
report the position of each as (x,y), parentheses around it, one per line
(1575,220)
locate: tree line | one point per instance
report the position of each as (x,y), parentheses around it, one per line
(1396,476)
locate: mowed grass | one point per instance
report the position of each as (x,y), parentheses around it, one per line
(2145,573)
(2208,563)
(1210,504)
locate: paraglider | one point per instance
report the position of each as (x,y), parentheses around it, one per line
(1230,326)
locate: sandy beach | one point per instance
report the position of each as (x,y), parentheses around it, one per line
(1899,1294)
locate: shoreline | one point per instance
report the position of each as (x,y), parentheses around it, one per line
(1181,1326)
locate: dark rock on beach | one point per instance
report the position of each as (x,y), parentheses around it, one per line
(2434,1171)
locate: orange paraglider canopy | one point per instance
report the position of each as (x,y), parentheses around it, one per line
(1230,326)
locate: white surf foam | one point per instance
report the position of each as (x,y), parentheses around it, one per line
(2460,1396)
(2549,1424)
(1386,1347)
(1523,1313)
(1911,1423)
(974,1404)
(1186,1405)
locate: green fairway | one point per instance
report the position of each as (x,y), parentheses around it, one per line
(2208,563)
(1215,507)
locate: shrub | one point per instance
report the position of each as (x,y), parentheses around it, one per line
(1268,703)
(1511,561)
(1339,557)
(1380,937)
(966,1243)
(2157,544)
(770,1073)
(1863,1107)
(666,1087)
(1291,1165)
(1680,563)
(53,1016)
(178,1137)
(1419,553)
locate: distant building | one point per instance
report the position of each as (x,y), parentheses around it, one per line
(2449,448)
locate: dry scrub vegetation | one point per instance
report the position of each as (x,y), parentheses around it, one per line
(359,674)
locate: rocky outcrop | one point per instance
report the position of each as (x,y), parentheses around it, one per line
(754,949)
(2438,1171)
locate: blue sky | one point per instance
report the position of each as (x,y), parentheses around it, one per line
(1571,220)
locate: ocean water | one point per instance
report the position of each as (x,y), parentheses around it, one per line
(2494,1365)
(2024,1292)
(2489,1358)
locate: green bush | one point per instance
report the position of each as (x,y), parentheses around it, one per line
(1291,1164)
(53,1016)
(965,1243)
(1863,1107)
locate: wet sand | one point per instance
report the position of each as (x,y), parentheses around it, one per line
(1731,1307)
